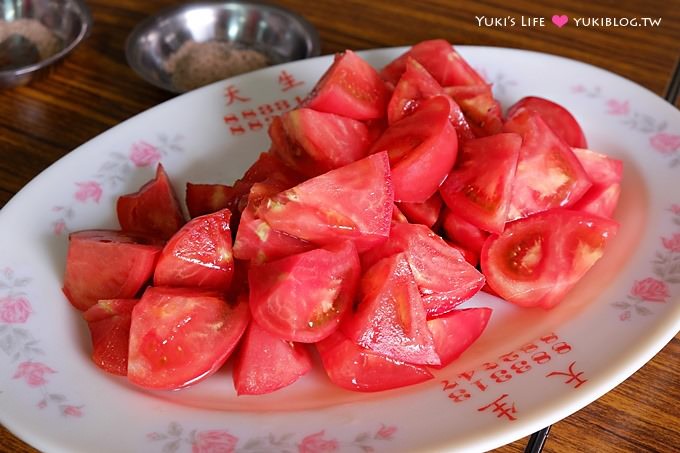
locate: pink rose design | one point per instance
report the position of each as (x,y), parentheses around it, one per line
(33,373)
(315,443)
(386,432)
(650,289)
(214,441)
(58,227)
(675,209)
(625,316)
(143,154)
(672,244)
(578,89)
(90,190)
(71,411)
(14,310)
(617,107)
(665,143)
(42,404)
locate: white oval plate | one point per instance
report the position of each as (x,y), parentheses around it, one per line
(531,368)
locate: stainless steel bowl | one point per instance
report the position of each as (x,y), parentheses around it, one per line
(69,20)
(276,32)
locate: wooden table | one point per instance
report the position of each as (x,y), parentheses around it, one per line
(95,90)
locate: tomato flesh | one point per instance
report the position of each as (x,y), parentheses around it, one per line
(154,210)
(303,297)
(606,173)
(107,264)
(390,318)
(180,336)
(352,367)
(482,111)
(199,255)
(538,259)
(454,332)
(562,123)
(204,199)
(425,213)
(265,363)
(462,232)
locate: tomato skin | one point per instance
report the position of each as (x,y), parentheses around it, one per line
(538,259)
(351,88)
(314,142)
(426,213)
(354,202)
(169,333)
(548,175)
(454,332)
(204,199)
(266,363)
(479,189)
(463,232)
(199,255)
(482,111)
(107,264)
(472,257)
(109,325)
(354,368)
(390,318)
(559,119)
(304,297)
(606,173)
(422,147)
(154,210)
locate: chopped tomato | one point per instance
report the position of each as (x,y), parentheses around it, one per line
(443,276)
(605,172)
(398,216)
(538,259)
(390,318)
(314,142)
(265,363)
(204,199)
(354,368)
(303,297)
(482,110)
(107,264)
(354,202)
(199,255)
(422,147)
(426,213)
(180,336)
(462,232)
(562,123)
(472,257)
(154,210)
(548,173)
(479,188)
(109,324)
(351,88)
(454,332)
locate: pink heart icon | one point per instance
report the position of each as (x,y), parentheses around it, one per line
(560,21)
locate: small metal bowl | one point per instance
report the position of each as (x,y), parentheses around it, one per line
(70,22)
(279,34)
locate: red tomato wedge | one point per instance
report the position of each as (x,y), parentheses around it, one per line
(199,255)
(416,85)
(107,264)
(265,363)
(538,259)
(180,336)
(548,175)
(303,297)
(606,174)
(472,257)
(443,276)
(463,232)
(354,368)
(562,123)
(390,318)
(426,213)
(270,167)
(422,147)
(354,202)
(351,88)
(454,332)
(482,111)
(479,188)
(440,60)
(109,324)
(259,242)
(314,142)
(204,199)
(154,210)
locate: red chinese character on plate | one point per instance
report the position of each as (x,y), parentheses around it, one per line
(288,81)
(571,374)
(501,408)
(231,93)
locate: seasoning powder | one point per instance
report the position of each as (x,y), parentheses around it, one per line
(21,38)
(199,63)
